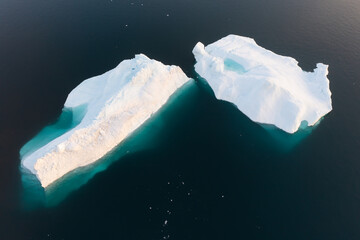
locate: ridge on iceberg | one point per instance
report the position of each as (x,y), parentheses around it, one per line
(268,88)
(117,102)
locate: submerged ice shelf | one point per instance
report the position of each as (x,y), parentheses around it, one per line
(104,110)
(117,103)
(268,88)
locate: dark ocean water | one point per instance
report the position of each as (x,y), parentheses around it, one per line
(199,169)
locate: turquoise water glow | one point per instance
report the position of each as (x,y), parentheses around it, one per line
(288,141)
(69,118)
(208,170)
(272,136)
(141,139)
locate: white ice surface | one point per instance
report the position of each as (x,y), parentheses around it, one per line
(118,102)
(267,87)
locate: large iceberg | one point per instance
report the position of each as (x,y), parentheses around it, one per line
(268,88)
(117,102)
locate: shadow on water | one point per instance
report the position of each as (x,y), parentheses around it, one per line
(145,137)
(281,140)
(286,141)
(268,135)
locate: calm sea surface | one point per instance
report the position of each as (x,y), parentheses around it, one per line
(199,169)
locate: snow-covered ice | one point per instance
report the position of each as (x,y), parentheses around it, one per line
(268,88)
(118,102)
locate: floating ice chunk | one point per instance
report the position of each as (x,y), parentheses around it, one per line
(118,102)
(267,87)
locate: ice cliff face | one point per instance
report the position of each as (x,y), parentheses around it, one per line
(267,87)
(118,102)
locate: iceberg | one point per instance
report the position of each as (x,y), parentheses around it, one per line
(116,103)
(266,87)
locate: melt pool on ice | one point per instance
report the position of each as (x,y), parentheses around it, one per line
(268,88)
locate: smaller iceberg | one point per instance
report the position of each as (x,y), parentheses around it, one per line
(113,105)
(266,87)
